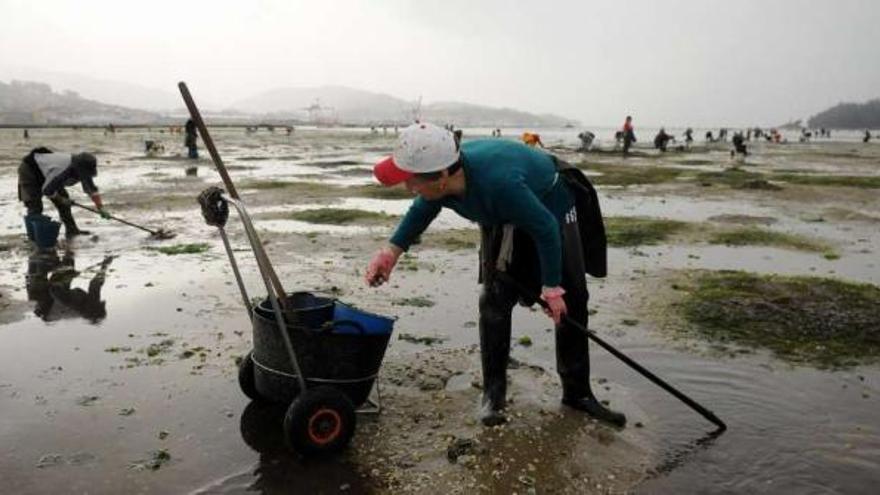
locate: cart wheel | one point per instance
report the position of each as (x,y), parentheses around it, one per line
(319,421)
(246,379)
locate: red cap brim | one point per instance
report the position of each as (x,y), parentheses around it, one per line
(389,174)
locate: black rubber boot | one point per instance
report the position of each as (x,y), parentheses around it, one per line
(492,403)
(70,233)
(496,305)
(572,349)
(596,410)
(70,228)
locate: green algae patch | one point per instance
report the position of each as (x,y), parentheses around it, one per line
(418,302)
(253,159)
(339,216)
(452,239)
(379,192)
(191,248)
(738,178)
(853,154)
(410,262)
(295,188)
(754,236)
(864,182)
(332,163)
(416,339)
(695,162)
(843,214)
(638,231)
(153,462)
(734,177)
(354,172)
(269,184)
(742,219)
(823,322)
(626,175)
(153,202)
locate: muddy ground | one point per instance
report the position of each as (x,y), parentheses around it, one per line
(143,397)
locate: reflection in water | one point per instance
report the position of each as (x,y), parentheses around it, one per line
(49,280)
(279,469)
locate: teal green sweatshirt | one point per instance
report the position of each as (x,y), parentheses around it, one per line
(506,182)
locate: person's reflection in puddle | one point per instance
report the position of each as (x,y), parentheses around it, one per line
(49,280)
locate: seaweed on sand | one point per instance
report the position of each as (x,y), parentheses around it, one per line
(824,322)
(637,231)
(190,248)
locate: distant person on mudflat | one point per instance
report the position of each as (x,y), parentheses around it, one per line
(189,139)
(661,140)
(776,136)
(739,146)
(532,139)
(688,137)
(587,139)
(629,134)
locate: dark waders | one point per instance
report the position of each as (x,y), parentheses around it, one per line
(498,299)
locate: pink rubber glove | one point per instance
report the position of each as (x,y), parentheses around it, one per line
(555,304)
(379,269)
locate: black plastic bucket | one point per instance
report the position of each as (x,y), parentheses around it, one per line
(348,361)
(304,309)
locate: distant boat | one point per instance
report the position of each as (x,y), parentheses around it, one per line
(568,126)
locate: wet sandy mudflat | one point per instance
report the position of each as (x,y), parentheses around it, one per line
(94,398)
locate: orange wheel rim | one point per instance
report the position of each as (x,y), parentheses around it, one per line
(325,425)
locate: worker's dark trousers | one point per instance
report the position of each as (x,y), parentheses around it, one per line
(572,355)
(30,192)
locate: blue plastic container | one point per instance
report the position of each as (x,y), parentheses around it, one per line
(370,323)
(45,232)
(28,223)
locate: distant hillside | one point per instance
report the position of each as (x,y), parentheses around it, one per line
(107,91)
(35,103)
(849,116)
(327,104)
(23,103)
(466,114)
(337,104)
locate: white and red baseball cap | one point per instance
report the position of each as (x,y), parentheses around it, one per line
(421,148)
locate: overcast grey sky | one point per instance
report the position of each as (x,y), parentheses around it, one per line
(667,62)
